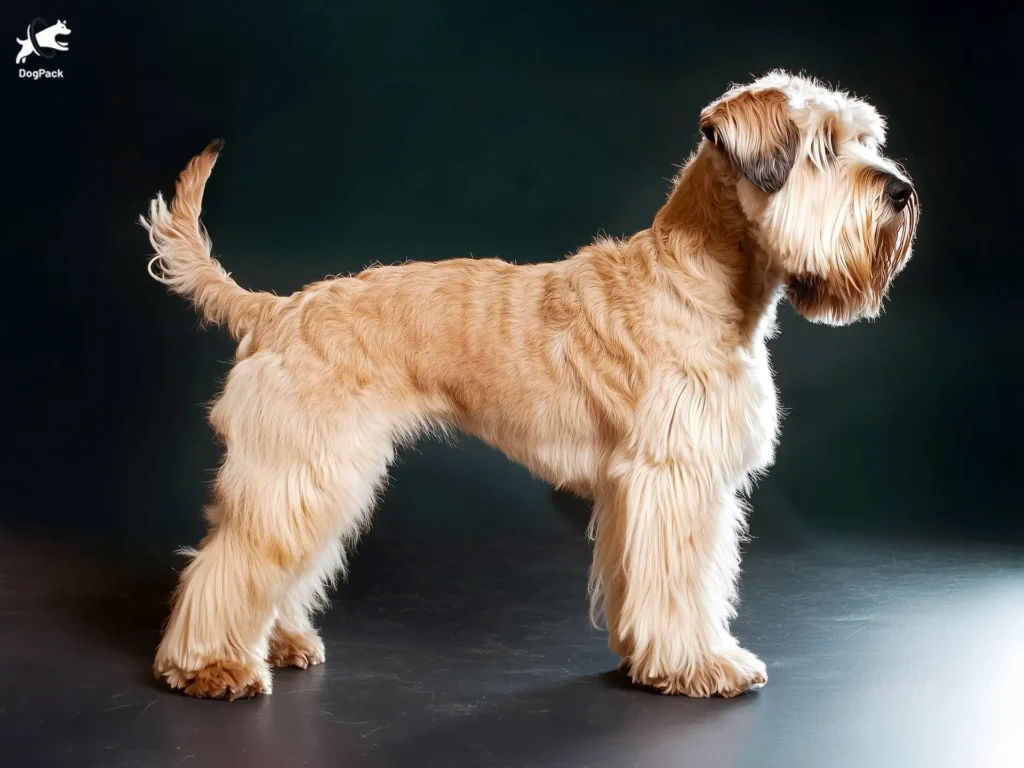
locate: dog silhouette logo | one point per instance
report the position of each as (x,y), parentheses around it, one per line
(42,40)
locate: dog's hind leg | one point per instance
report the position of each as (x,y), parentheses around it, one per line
(294,486)
(360,468)
(294,641)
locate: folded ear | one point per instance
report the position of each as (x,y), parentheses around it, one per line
(757,133)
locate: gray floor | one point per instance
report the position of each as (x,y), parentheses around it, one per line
(477,653)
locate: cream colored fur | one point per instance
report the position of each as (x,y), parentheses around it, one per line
(634,372)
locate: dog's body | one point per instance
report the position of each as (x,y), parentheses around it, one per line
(635,373)
(47,38)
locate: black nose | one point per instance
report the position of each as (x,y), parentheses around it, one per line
(898,192)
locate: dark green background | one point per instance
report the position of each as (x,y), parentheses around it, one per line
(401,130)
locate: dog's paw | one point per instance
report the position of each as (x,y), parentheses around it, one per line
(221,680)
(726,673)
(291,649)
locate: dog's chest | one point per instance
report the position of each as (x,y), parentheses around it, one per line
(725,420)
(756,408)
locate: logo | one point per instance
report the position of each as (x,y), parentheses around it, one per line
(41,40)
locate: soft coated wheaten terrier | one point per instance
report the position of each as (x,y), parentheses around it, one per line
(635,373)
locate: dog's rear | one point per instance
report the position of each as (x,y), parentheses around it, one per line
(183,261)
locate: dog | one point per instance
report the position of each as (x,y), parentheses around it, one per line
(634,373)
(46,38)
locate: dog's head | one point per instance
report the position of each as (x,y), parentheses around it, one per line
(836,214)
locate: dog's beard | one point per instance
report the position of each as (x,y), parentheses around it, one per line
(893,247)
(866,259)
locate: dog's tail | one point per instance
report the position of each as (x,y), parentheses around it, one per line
(183,262)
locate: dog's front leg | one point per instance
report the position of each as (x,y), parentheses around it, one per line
(666,559)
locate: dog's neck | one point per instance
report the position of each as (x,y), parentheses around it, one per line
(709,246)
